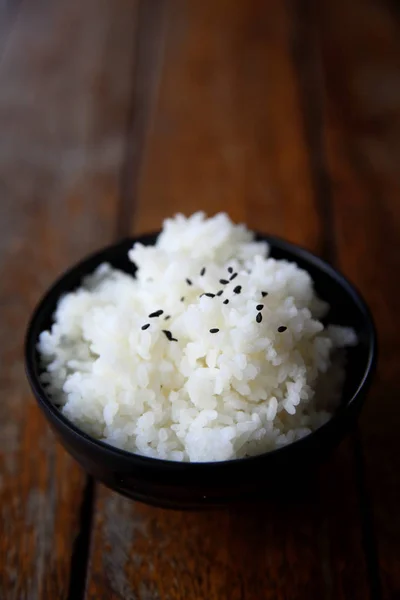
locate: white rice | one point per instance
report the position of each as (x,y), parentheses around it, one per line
(241,391)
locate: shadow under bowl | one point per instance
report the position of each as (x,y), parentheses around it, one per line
(199,485)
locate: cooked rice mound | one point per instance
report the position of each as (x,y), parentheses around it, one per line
(211,352)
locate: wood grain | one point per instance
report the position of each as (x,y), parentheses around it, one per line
(362,58)
(221,62)
(64,95)
(8,14)
(229,133)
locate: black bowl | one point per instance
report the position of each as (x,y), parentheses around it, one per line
(194,485)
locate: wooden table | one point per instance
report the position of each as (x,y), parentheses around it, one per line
(116,114)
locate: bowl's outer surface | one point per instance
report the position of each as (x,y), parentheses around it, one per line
(197,485)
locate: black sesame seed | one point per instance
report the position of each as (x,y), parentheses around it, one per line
(259,317)
(144,327)
(237,289)
(157,313)
(282,328)
(220,293)
(224,281)
(183,298)
(230,270)
(169,335)
(263,294)
(214,330)
(203,271)
(188,281)
(233,276)
(260,306)
(209,295)
(226,301)
(167,317)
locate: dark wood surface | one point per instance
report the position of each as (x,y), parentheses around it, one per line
(114,115)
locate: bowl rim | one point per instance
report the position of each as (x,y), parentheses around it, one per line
(297,251)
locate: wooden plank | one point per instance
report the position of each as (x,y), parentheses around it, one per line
(362,63)
(203,154)
(227,134)
(64,95)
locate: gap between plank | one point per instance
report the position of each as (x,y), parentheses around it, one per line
(149,35)
(80,552)
(306,57)
(310,82)
(368,532)
(146,65)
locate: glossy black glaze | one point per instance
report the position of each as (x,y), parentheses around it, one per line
(194,485)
